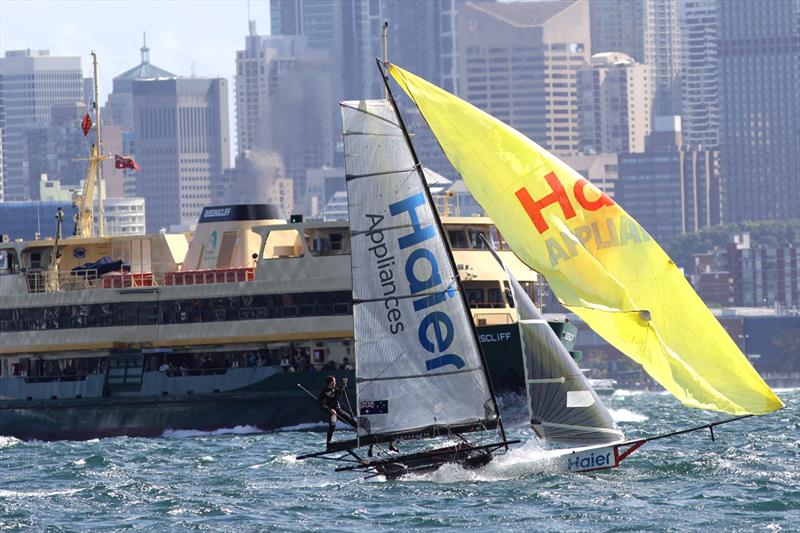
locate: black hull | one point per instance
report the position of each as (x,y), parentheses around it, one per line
(462,455)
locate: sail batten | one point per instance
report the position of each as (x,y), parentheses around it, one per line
(599,262)
(418,366)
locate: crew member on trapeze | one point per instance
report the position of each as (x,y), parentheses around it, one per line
(329,402)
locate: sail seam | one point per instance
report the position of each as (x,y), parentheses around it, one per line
(415,376)
(582,428)
(548,380)
(349,177)
(369,113)
(365,133)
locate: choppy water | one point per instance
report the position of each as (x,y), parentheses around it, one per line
(748,480)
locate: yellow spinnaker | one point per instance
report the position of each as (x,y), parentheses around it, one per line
(600,262)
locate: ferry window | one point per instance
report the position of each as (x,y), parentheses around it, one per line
(474,297)
(323,241)
(475,240)
(494,297)
(458,239)
(497,239)
(36,260)
(282,244)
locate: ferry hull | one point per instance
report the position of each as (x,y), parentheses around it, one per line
(274,402)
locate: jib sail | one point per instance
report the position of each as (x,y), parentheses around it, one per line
(564,408)
(418,365)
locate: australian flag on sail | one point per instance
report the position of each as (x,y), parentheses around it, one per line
(376,407)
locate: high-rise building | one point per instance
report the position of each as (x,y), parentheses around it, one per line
(519,61)
(182,146)
(617,26)
(31,82)
(284,106)
(58,149)
(759,108)
(616,96)
(117,114)
(1,163)
(670,189)
(699,83)
(422,38)
(646,30)
(662,51)
(119,105)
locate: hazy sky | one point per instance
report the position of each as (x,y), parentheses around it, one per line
(184,36)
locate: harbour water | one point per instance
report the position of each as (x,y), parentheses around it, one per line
(748,480)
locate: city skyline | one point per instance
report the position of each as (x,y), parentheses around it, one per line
(115,31)
(547,68)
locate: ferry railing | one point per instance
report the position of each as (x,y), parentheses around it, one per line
(49,281)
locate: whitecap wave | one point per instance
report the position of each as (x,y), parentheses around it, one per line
(184,433)
(36,493)
(621,393)
(308,426)
(7,442)
(625,415)
(529,459)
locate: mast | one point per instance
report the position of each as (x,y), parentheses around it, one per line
(385,39)
(440,227)
(101,223)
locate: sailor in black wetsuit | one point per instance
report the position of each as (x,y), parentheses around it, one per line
(329,402)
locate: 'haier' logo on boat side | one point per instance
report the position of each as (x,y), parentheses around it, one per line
(591,460)
(436,330)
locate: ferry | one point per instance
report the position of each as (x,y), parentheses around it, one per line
(235,324)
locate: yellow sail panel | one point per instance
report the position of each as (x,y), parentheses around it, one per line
(597,259)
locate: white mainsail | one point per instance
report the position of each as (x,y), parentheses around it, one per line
(418,365)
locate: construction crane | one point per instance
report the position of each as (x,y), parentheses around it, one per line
(84,200)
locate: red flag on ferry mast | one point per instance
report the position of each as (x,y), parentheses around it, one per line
(125,162)
(86,124)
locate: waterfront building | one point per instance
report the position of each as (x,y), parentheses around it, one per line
(671,188)
(699,77)
(519,61)
(711,278)
(759,108)
(182,146)
(31,82)
(764,274)
(615,104)
(124,216)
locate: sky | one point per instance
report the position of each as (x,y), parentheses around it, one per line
(185,37)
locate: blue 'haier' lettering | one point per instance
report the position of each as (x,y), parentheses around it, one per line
(437,323)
